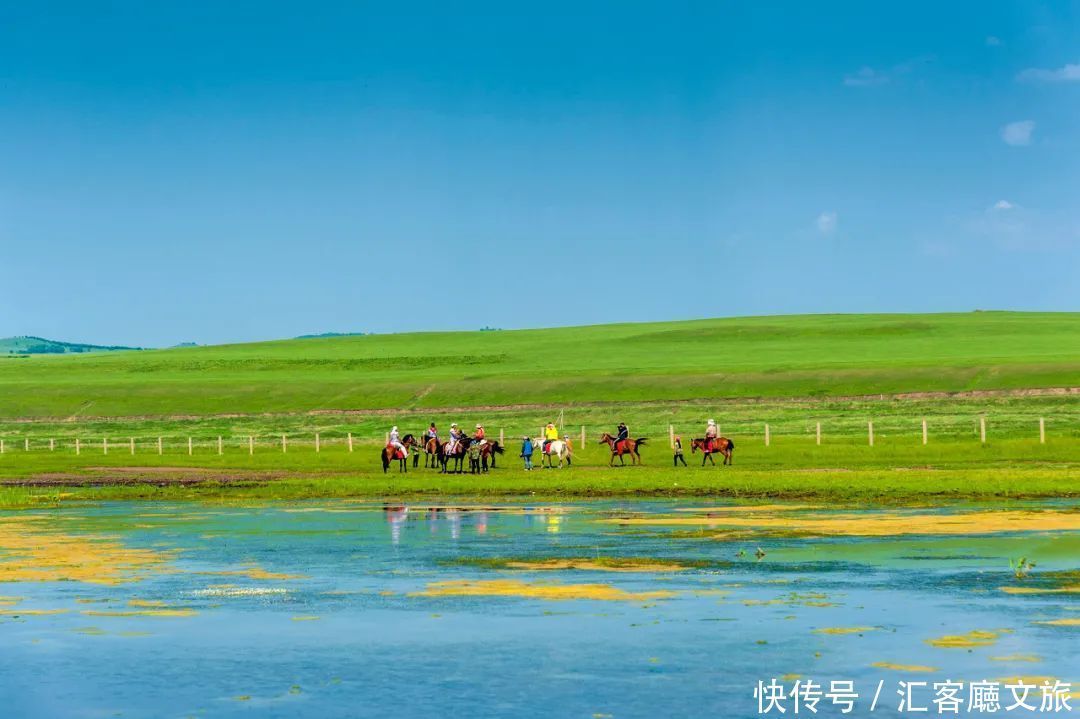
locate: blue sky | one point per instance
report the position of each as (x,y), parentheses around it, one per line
(236,171)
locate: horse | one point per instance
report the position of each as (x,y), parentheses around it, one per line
(621,447)
(431,449)
(557,447)
(723,445)
(390,452)
(458,456)
(490,449)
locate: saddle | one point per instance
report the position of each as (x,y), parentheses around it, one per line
(395,453)
(623,445)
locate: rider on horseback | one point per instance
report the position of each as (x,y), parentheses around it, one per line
(478,435)
(455,438)
(551,433)
(711,433)
(622,432)
(431,433)
(395,441)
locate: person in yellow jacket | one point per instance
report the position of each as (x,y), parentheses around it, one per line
(551,433)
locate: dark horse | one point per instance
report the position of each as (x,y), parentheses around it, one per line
(390,452)
(723,445)
(457,457)
(622,447)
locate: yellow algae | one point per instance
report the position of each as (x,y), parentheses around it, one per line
(146,603)
(1036,680)
(1017,658)
(134,634)
(1070,622)
(976,638)
(555,592)
(750,508)
(1070,589)
(615,565)
(253,572)
(242,698)
(92,631)
(306,618)
(142,613)
(790,677)
(844,630)
(883,524)
(37,552)
(31,612)
(904,667)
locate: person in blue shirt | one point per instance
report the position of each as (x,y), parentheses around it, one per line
(527,452)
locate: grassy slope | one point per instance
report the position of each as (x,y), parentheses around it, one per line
(818,355)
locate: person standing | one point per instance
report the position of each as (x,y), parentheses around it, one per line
(678,455)
(527,452)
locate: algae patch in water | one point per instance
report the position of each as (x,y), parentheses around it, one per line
(1070,622)
(975,638)
(904,667)
(880,524)
(844,630)
(1017,658)
(597,564)
(142,613)
(34,552)
(556,592)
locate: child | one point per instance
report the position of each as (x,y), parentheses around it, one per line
(678,457)
(526,452)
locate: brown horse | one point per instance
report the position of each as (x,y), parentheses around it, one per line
(431,452)
(723,445)
(621,447)
(488,450)
(390,452)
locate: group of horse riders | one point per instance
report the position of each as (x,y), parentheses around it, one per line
(551,434)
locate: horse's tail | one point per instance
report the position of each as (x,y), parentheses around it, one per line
(730,445)
(640,440)
(497,448)
(385,460)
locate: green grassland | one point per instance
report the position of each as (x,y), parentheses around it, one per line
(771,357)
(790,373)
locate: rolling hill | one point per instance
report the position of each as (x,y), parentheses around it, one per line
(779,356)
(29,345)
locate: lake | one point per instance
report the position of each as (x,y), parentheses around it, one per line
(575,609)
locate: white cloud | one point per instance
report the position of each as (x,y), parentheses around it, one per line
(826,223)
(865,77)
(1003,205)
(1018,134)
(993,41)
(1070,72)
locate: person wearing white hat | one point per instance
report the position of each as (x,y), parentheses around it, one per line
(455,437)
(395,440)
(478,436)
(711,433)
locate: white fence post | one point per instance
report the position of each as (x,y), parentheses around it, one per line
(78,449)
(870,431)
(583,436)
(767,437)
(284,445)
(131,443)
(1,446)
(189,447)
(104,445)
(925,434)
(317,448)
(819,433)
(982,429)
(671,435)
(159,447)
(251,445)
(220,446)
(350,441)
(502,437)
(26,444)
(1042,430)
(52,444)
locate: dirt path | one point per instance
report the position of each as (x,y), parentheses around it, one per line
(538,406)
